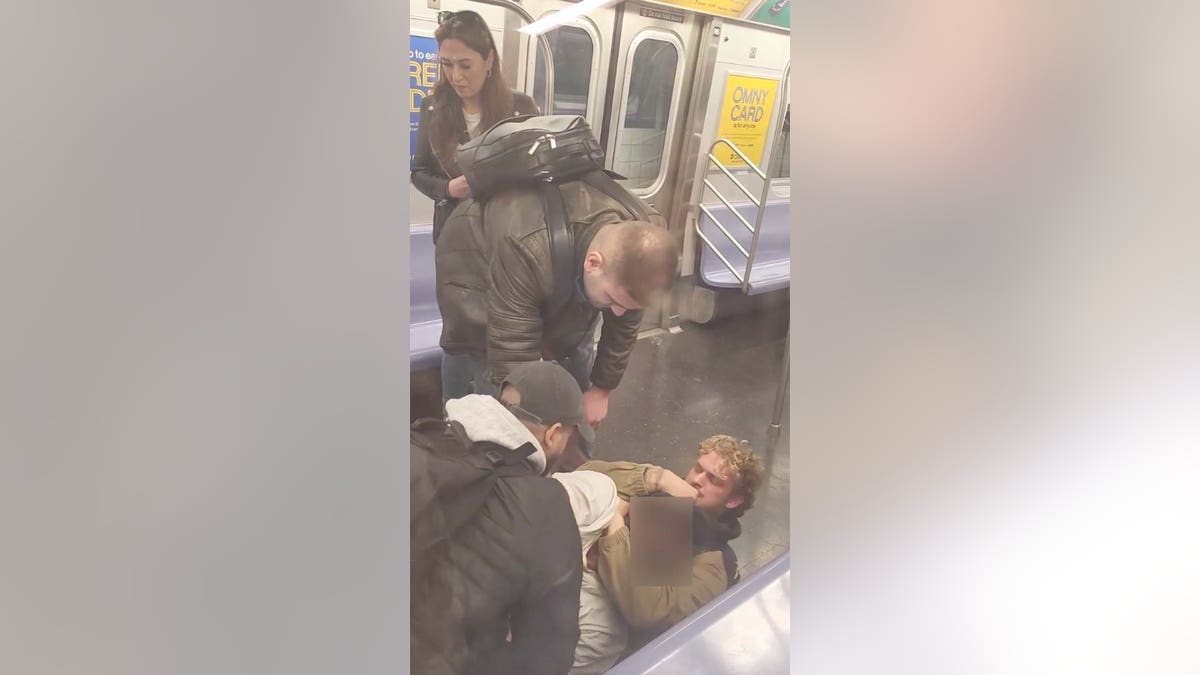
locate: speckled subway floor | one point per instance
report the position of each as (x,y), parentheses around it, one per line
(681,388)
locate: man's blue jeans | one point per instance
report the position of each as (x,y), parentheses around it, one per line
(463,374)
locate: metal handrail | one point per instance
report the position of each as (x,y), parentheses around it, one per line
(712,159)
(739,154)
(777,411)
(543,42)
(720,255)
(775,429)
(760,202)
(729,206)
(772,153)
(721,227)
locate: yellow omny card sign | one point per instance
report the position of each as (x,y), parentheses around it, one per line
(729,8)
(746,117)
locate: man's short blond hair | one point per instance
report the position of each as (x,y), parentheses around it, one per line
(740,462)
(644,259)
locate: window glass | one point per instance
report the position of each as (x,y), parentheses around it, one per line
(572,49)
(642,136)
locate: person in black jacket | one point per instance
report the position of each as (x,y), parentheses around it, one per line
(516,565)
(469,98)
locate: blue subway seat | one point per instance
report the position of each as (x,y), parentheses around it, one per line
(772,261)
(424,319)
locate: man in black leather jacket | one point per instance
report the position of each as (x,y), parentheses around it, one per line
(497,292)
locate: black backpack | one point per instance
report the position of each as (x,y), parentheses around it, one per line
(451,479)
(545,152)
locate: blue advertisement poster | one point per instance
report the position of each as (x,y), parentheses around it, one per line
(422,75)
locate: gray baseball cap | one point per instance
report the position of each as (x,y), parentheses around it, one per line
(548,395)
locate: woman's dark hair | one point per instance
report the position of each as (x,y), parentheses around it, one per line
(447,123)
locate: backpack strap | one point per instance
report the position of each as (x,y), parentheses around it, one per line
(602,181)
(562,243)
(729,559)
(562,237)
(427,424)
(484,455)
(488,455)
(517,117)
(501,459)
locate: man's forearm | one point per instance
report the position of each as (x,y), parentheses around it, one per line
(659,479)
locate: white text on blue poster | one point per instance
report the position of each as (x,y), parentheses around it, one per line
(422,76)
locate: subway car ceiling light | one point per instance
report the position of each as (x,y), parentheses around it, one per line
(552,21)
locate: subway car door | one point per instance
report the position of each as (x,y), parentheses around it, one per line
(653,61)
(625,69)
(580,50)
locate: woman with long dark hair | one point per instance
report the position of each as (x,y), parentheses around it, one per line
(470,96)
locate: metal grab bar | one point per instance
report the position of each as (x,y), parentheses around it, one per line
(713,160)
(743,278)
(543,42)
(724,231)
(719,255)
(772,153)
(777,412)
(760,202)
(775,430)
(739,152)
(730,207)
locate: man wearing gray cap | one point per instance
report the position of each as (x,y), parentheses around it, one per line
(540,385)
(515,563)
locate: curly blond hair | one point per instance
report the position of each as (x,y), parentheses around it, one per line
(739,459)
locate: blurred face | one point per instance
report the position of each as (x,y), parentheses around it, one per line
(714,485)
(464,68)
(602,291)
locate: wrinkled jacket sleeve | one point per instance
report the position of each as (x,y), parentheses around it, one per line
(427,174)
(629,477)
(617,337)
(656,607)
(518,288)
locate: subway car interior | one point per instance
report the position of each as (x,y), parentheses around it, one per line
(691,107)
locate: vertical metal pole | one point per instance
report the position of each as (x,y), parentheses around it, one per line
(543,43)
(510,55)
(784,380)
(548,54)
